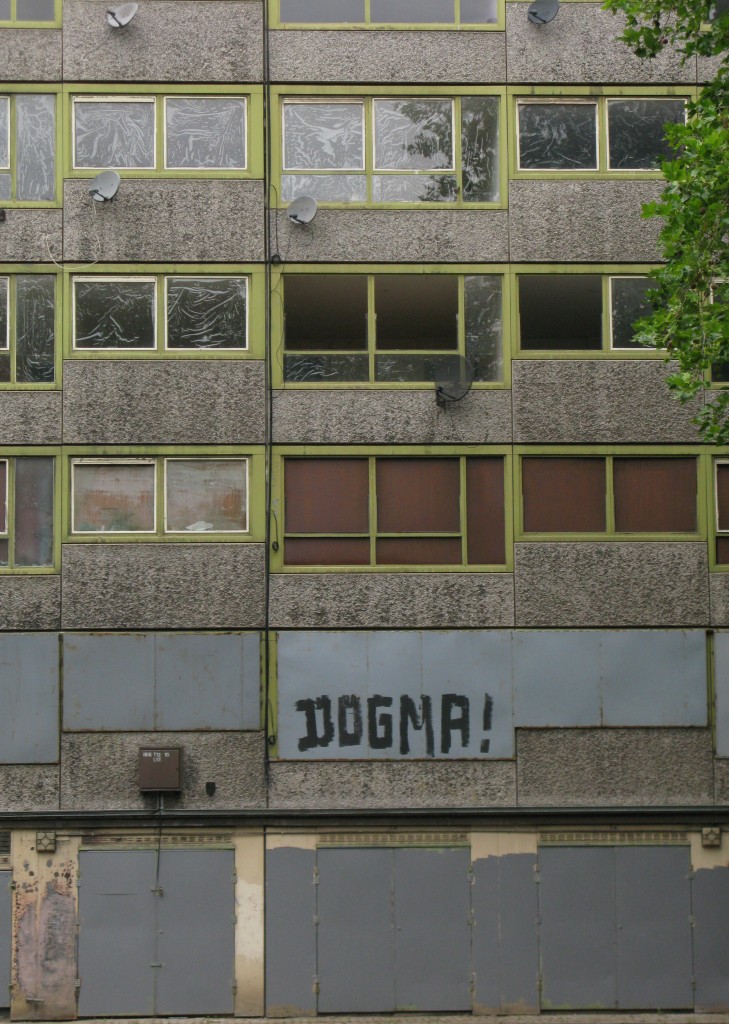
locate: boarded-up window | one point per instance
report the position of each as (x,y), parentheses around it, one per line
(655,495)
(722,512)
(327,496)
(564,495)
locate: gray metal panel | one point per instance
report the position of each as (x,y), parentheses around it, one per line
(432,929)
(356,939)
(28,698)
(196,922)
(710,906)
(556,678)
(290,932)
(108,681)
(653,902)
(116,945)
(251,715)
(654,677)
(486,944)
(721,689)
(6,936)
(577,930)
(518,934)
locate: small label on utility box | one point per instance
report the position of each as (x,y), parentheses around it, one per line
(160,769)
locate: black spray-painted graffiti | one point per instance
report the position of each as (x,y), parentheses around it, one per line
(350,712)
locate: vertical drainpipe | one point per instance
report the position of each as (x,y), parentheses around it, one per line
(267,725)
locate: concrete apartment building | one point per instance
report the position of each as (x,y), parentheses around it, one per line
(440,695)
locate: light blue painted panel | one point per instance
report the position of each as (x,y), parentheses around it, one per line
(6,936)
(721,689)
(29,694)
(108,681)
(556,678)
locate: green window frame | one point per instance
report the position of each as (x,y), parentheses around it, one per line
(30,327)
(357,185)
(30,161)
(605,494)
(30,498)
(20,14)
(462,11)
(151,159)
(160,280)
(718,500)
(144,502)
(368,366)
(370,483)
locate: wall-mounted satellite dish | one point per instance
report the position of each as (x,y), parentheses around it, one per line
(104,186)
(302,210)
(719,9)
(453,380)
(542,11)
(120,16)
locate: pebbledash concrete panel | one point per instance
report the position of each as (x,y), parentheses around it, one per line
(204,41)
(566,221)
(592,401)
(290,932)
(564,584)
(709,900)
(30,55)
(391,57)
(158,219)
(6,936)
(30,602)
(581,46)
(30,417)
(396,236)
(721,691)
(180,401)
(163,586)
(29,697)
(614,767)
(390,417)
(31,236)
(29,787)
(99,771)
(719,592)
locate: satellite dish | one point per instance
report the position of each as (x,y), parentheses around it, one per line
(453,380)
(120,16)
(542,11)
(104,186)
(302,210)
(720,8)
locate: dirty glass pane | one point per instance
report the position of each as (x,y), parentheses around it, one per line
(324,136)
(322,11)
(4,367)
(636,132)
(33,535)
(4,186)
(413,134)
(3,496)
(414,12)
(413,188)
(628,304)
(34,10)
(325,188)
(36,147)
(204,495)
(35,328)
(206,312)
(205,133)
(560,311)
(416,311)
(325,311)
(114,314)
(4,315)
(325,369)
(4,548)
(484,326)
(4,10)
(558,136)
(480,148)
(411,367)
(479,12)
(4,131)
(109,134)
(114,497)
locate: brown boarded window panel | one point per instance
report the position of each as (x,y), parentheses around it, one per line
(327,551)
(327,495)
(655,495)
(722,495)
(3,497)
(563,495)
(418,496)
(419,551)
(485,511)
(722,550)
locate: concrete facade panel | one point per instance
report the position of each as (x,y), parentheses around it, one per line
(29,787)
(180,401)
(31,235)
(30,417)
(719,590)
(30,55)
(162,220)
(162,586)
(611,584)
(614,767)
(30,602)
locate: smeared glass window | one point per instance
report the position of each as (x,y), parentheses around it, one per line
(322,11)
(110,133)
(114,497)
(637,132)
(480,148)
(205,133)
(389,12)
(558,136)
(324,137)
(413,134)
(35,10)
(484,326)
(35,134)
(628,303)
(5,10)
(114,313)
(4,313)
(560,311)
(415,12)
(479,12)
(26,532)
(206,495)
(35,328)
(4,131)
(206,312)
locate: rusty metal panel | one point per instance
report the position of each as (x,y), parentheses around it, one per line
(5,936)
(29,695)
(108,681)
(556,678)
(710,906)
(290,932)
(432,929)
(721,689)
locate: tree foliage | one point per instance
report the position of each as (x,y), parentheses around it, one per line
(691,301)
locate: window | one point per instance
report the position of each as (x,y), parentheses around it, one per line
(401,149)
(30,13)
(575,135)
(28,148)
(390,511)
(613,494)
(390,328)
(27,329)
(721,480)
(390,13)
(720,296)
(26,513)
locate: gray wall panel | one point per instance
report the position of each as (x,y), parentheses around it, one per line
(30,417)
(290,932)
(29,697)
(721,690)
(108,682)
(28,234)
(30,55)
(709,903)
(556,678)
(6,936)
(30,602)
(486,943)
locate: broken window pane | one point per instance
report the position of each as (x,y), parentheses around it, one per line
(325,188)
(480,147)
(114,134)
(479,12)
(4,131)
(205,133)
(35,10)
(560,311)
(413,12)
(206,312)
(204,495)
(322,11)
(636,132)
(323,136)
(325,369)
(33,537)
(413,134)
(416,311)
(484,326)
(325,311)
(35,328)
(114,314)
(4,317)
(414,188)
(114,497)
(628,303)
(558,136)
(36,147)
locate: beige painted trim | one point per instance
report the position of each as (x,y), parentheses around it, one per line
(291,840)
(249,936)
(709,857)
(501,844)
